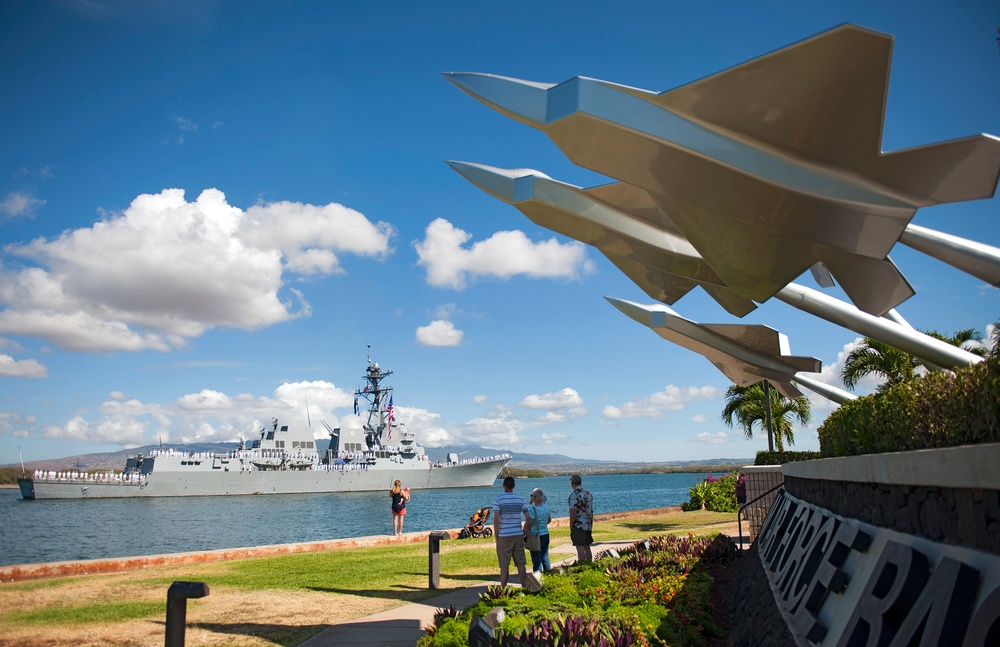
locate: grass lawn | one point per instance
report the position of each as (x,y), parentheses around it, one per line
(275,600)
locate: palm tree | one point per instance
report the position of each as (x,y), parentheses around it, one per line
(872,357)
(968,339)
(746,406)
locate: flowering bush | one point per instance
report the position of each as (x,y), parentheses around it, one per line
(717,494)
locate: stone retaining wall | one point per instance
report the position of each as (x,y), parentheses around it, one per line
(871,550)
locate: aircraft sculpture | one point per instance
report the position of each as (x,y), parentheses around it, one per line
(769,167)
(660,262)
(746,354)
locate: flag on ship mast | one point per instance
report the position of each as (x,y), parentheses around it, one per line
(391,416)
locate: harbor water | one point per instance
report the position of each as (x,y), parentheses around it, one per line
(49,531)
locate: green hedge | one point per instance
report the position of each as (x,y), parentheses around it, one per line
(765,457)
(942,409)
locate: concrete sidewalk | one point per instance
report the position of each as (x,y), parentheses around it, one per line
(405,625)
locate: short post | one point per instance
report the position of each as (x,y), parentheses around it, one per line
(434,557)
(177,597)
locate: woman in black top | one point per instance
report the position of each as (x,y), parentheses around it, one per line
(399,496)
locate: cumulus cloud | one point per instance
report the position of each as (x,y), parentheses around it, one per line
(697,418)
(659,404)
(505,254)
(479,399)
(498,428)
(566,398)
(717,438)
(166,270)
(29,368)
(210,416)
(12,424)
(559,406)
(553,439)
(16,204)
(439,332)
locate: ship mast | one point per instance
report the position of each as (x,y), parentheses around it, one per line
(376,395)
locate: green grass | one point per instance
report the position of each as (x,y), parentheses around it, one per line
(394,572)
(99,613)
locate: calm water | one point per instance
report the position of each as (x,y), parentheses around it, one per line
(49,531)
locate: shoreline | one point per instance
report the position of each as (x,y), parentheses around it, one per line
(22,572)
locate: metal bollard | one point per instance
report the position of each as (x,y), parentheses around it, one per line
(177,597)
(434,557)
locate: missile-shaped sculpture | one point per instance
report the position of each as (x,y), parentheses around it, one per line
(746,354)
(769,167)
(641,243)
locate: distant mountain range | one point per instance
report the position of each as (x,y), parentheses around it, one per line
(551,463)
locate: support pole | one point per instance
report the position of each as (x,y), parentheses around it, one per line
(434,557)
(921,346)
(767,415)
(177,597)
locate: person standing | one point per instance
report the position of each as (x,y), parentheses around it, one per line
(581,519)
(399,498)
(508,511)
(540,516)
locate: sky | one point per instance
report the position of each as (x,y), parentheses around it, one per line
(210,210)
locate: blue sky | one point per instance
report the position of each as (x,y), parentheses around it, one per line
(208,210)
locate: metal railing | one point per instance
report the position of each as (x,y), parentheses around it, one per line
(740,512)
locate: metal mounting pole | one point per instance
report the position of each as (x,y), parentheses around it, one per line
(915,343)
(177,597)
(767,416)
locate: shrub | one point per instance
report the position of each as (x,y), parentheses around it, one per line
(765,457)
(942,409)
(715,494)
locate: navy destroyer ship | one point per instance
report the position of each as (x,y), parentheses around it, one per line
(283,460)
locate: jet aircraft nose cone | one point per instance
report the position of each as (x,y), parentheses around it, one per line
(510,185)
(651,316)
(521,100)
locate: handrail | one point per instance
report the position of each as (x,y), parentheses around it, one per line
(739,513)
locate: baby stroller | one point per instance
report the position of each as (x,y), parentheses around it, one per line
(477,525)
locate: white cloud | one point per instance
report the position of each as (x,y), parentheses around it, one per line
(16,204)
(503,255)
(426,425)
(212,416)
(659,404)
(13,425)
(566,398)
(559,406)
(29,368)
(554,439)
(439,333)
(500,428)
(717,438)
(697,418)
(479,399)
(166,270)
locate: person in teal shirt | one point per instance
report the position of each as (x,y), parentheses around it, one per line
(540,516)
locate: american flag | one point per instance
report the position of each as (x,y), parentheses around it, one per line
(391,412)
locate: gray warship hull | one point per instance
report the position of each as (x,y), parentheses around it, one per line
(212,482)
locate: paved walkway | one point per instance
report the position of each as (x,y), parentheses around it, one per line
(404,626)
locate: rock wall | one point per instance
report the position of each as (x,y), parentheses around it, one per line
(879,550)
